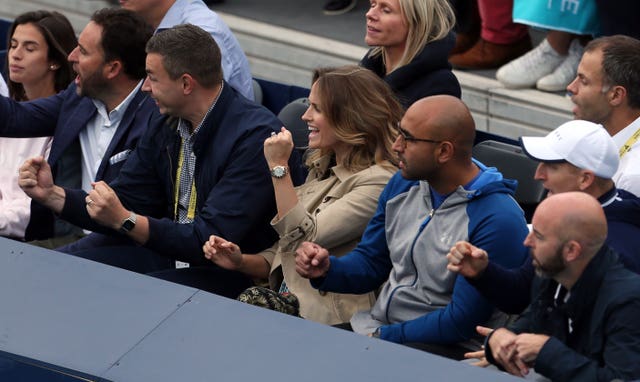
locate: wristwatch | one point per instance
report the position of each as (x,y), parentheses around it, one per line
(128,223)
(279,172)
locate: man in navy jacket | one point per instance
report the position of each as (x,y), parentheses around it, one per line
(199,172)
(105,100)
(582,324)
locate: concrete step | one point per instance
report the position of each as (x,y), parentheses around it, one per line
(77,11)
(288,56)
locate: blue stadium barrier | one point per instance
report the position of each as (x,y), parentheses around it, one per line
(276,95)
(68,319)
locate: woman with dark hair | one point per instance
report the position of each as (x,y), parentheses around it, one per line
(37,66)
(39,43)
(352,121)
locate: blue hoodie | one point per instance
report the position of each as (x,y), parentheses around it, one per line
(405,247)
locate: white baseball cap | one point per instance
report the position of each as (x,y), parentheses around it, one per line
(584,144)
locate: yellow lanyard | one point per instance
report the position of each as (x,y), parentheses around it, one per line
(630,142)
(191,211)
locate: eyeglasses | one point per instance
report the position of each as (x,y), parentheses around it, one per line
(406,137)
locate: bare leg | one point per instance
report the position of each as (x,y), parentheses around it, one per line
(560,41)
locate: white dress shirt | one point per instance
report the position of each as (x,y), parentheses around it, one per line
(628,175)
(95,139)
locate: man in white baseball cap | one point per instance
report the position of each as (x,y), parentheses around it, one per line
(577,156)
(583,145)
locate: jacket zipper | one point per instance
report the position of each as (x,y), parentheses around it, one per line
(415,279)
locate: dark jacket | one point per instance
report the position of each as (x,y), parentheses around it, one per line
(64,116)
(234,190)
(429,73)
(509,289)
(604,309)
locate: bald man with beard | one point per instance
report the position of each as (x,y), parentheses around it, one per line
(439,196)
(582,324)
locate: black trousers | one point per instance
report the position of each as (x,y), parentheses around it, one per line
(619,17)
(208,278)
(138,259)
(467,16)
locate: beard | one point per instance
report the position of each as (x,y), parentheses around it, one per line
(551,267)
(93,85)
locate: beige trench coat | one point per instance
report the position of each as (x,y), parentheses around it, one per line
(332,212)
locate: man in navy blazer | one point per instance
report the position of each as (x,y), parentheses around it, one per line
(97,120)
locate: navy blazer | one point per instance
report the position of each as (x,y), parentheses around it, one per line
(64,116)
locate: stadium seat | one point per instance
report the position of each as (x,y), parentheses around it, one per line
(513,163)
(257,92)
(291,117)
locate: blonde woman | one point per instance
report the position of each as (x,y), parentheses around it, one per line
(411,41)
(352,121)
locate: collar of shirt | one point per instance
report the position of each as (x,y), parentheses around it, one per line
(114,117)
(341,172)
(623,135)
(608,197)
(184,126)
(321,165)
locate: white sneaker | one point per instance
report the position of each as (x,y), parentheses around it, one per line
(525,71)
(565,72)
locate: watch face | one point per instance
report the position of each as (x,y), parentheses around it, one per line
(128,225)
(279,171)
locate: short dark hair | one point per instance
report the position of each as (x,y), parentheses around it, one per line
(187,48)
(61,40)
(124,36)
(620,63)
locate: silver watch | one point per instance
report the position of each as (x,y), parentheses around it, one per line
(279,172)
